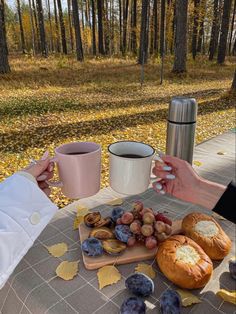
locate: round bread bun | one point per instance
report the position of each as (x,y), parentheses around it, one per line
(206,232)
(184,262)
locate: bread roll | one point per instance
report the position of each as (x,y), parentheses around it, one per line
(206,232)
(184,262)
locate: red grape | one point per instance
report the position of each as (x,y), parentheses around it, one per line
(161,217)
(160,226)
(138,206)
(135,227)
(168,229)
(140,238)
(147,230)
(145,210)
(118,221)
(161,236)
(148,218)
(131,241)
(150,242)
(127,218)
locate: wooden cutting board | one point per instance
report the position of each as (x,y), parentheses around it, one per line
(130,255)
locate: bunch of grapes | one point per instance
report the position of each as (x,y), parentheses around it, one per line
(146,226)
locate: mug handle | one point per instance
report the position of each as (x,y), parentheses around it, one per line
(56,184)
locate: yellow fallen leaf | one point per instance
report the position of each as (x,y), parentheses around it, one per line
(228,296)
(57,250)
(67,270)
(77,222)
(197,163)
(82,211)
(108,275)
(146,269)
(221,153)
(187,298)
(115,202)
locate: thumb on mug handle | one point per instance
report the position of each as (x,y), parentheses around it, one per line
(56,184)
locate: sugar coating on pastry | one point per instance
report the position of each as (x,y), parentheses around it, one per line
(187,254)
(206,228)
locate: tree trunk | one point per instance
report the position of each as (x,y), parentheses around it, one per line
(234,48)
(201,29)
(181,36)
(62,27)
(195,28)
(224,31)
(94,28)
(100,27)
(125,20)
(32,28)
(143,47)
(162,30)
(82,14)
(214,30)
(134,27)
(70,25)
(232,28)
(50,26)
(79,47)
(4,65)
(156,25)
(22,36)
(120,25)
(43,44)
(106,28)
(233,86)
(57,27)
(173,30)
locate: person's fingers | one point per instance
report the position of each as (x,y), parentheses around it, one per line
(175,161)
(47,191)
(43,185)
(45,176)
(159,187)
(50,167)
(163,174)
(39,167)
(162,166)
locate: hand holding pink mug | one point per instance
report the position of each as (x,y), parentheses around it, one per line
(79,168)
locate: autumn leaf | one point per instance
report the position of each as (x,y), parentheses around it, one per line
(197,163)
(82,211)
(67,270)
(78,220)
(108,275)
(57,250)
(187,298)
(146,269)
(228,296)
(221,153)
(116,202)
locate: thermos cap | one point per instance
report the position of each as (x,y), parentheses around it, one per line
(183,110)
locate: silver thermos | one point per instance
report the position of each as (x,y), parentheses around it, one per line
(181,127)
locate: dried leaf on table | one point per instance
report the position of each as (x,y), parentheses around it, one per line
(187,298)
(228,296)
(57,250)
(146,269)
(78,220)
(108,275)
(217,216)
(115,202)
(82,211)
(67,270)
(197,163)
(221,153)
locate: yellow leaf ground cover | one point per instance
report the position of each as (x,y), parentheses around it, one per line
(101,100)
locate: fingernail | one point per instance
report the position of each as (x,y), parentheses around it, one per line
(162,192)
(170,176)
(158,186)
(45,155)
(51,168)
(42,177)
(167,168)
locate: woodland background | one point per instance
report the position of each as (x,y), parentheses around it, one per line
(105,70)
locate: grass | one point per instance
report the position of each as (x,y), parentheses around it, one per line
(44,103)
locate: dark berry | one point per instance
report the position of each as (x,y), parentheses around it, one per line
(133,305)
(140,285)
(123,233)
(170,302)
(92,247)
(116,213)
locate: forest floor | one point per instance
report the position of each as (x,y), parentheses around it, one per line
(44,103)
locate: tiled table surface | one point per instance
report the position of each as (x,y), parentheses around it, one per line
(34,288)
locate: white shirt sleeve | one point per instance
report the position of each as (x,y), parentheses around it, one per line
(24,212)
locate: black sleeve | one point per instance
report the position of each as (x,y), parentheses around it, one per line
(226,206)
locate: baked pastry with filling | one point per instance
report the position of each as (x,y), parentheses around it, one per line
(206,232)
(184,262)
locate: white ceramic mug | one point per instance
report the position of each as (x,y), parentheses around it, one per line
(130,174)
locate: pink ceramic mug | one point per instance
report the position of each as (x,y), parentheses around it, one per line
(79,168)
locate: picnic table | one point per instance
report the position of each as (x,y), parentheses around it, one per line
(34,288)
